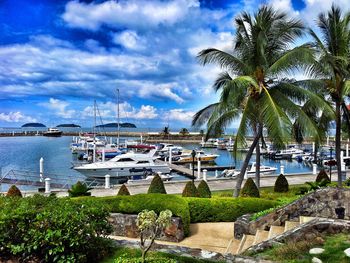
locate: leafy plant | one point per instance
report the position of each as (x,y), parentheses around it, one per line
(123,190)
(79,189)
(204,190)
(190,190)
(14,192)
(150,226)
(313,186)
(249,189)
(281,184)
(156,186)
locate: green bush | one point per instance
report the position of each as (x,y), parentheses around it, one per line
(322,175)
(190,190)
(51,229)
(249,189)
(14,192)
(79,189)
(204,190)
(123,190)
(134,204)
(157,186)
(225,209)
(281,184)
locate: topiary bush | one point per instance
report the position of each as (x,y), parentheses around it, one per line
(204,190)
(190,190)
(157,186)
(123,190)
(281,184)
(322,175)
(249,189)
(14,192)
(79,189)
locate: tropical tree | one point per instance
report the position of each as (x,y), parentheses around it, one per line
(331,68)
(252,86)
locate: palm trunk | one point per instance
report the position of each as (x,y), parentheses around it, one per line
(240,177)
(258,159)
(315,152)
(338,141)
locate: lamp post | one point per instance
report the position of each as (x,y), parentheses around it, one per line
(193,154)
(331,164)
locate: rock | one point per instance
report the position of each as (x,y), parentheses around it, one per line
(316,251)
(347,252)
(316,260)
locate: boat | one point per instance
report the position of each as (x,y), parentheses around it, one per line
(251,169)
(149,178)
(123,165)
(186,157)
(52,132)
(288,153)
(210,143)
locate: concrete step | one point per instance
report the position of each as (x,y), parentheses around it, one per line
(232,246)
(246,242)
(260,236)
(275,231)
(305,219)
(288,225)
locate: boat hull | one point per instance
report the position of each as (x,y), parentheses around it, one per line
(52,134)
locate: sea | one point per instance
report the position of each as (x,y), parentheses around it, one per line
(22,154)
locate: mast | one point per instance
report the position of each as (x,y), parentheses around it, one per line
(118,118)
(94,120)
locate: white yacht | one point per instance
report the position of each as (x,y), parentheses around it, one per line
(127,164)
(251,169)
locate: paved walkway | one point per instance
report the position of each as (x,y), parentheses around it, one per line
(214,237)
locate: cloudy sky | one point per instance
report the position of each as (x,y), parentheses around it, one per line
(57,57)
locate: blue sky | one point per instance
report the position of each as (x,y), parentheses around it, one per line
(57,57)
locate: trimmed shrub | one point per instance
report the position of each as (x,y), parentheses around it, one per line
(123,190)
(50,229)
(157,186)
(134,204)
(225,209)
(249,189)
(79,189)
(14,192)
(190,190)
(281,184)
(204,190)
(322,175)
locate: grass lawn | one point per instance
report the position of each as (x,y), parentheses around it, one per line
(129,255)
(299,252)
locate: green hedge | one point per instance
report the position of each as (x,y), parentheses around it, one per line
(134,204)
(225,209)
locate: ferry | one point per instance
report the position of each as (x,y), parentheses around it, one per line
(52,132)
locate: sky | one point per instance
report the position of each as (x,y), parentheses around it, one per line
(57,57)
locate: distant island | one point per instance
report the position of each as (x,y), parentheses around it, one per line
(69,125)
(115,125)
(33,124)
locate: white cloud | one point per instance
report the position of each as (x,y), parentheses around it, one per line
(59,107)
(131,14)
(16,117)
(179,115)
(129,39)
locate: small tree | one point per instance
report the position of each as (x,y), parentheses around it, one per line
(123,190)
(184,132)
(150,226)
(281,184)
(249,189)
(79,189)
(204,190)
(14,192)
(322,175)
(157,186)
(190,190)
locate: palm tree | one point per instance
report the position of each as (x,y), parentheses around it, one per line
(332,66)
(251,86)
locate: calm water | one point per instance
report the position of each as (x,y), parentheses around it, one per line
(24,153)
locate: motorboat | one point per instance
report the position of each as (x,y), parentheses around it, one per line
(165,147)
(251,170)
(123,165)
(186,157)
(52,132)
(210,143)
(149,178)
(287,154)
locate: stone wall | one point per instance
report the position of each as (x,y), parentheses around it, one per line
(327,202)
(125,225)
(310,231)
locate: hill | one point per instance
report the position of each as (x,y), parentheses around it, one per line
(115,125)
(69,125)
(33,124)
